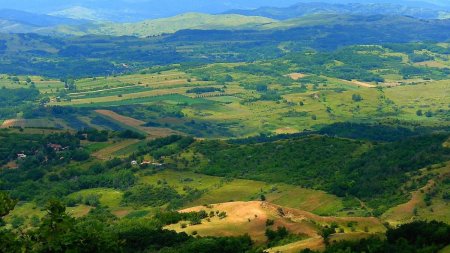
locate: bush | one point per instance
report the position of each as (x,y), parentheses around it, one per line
(128,134)
(147,195)
(92,200)
(356,97)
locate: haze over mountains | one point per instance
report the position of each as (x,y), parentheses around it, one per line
(138,10)
(95,17)
(303,9)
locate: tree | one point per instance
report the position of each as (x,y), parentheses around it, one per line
(9,242)
(7,204)
(69,84)
(45,100)
(59,232)
(419,113)
(228,78)
(356,97)
(261,88)
(327,231)
(263,197)
(17,221)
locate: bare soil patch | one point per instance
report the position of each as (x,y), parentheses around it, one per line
(153,132)
(250,218)
(296,76)
(122,119)
(363,84)
(13,123)
(107,153)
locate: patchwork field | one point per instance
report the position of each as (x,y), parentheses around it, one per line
(39,123)
(137,125)
(243,99)
(108,152)
(241,134)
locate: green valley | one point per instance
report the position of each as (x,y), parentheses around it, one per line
(324,129)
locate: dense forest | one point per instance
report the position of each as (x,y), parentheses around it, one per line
(13,101)
(366,170)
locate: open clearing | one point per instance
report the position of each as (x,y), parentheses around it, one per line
(137,125)
(107,197)
(12,123)
(363,84)
(315,243)
(33,123)
(296,76)
(218,190)
(250,218)
(108,152)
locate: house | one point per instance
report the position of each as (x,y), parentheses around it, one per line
(134,162)
(146,163)
(56,147)
(156,164)
(21,156)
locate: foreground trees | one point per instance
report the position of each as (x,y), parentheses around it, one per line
(100,231)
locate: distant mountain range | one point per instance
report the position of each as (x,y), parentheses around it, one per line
(302,9)
(181,22)
(34,19)
(82,21)
(79,13)
(139,10)
(136,10)
(14,21)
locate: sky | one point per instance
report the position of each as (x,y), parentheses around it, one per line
(140,9)
(143,9)
(168,5)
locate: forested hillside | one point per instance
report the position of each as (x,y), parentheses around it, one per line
(320,127)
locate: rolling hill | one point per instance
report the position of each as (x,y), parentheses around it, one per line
(323,127)
(78,13)
(304,9)
(181,22)
(33,19)
(15,21)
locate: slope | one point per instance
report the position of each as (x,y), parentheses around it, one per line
(303,9)
(181,22)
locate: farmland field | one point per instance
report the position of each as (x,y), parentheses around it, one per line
(319,127)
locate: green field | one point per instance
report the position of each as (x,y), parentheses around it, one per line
(346,141)
(220,190)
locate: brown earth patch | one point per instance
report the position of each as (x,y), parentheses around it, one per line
(363,84)
(153,132)
(13,123)
(107,153)
(296,76)
(250,218)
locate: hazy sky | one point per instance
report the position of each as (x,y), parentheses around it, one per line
(139,9)
(51,5)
